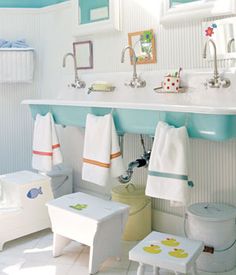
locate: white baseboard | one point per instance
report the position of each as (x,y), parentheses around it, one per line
(168,223)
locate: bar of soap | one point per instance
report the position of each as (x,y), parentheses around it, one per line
(102,86)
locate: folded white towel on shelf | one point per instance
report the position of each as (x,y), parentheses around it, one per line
(168,167)
(46,147)
(101,157)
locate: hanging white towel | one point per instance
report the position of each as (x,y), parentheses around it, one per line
(46,147)
(168,167)
(102,157)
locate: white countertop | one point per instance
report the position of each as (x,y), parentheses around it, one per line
(196,100)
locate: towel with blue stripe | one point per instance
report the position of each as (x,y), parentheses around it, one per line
(168,167)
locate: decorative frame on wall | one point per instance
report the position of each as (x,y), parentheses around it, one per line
(196,10)
(83,53)
(143,43)
(93,17)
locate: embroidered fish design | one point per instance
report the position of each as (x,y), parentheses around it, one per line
(34,192)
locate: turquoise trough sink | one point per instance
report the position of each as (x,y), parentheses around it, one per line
(137,121)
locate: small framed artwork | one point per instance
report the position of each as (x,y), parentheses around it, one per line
(83,52)
(143,43)
(96,16)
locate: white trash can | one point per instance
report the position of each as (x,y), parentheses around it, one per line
(214,224)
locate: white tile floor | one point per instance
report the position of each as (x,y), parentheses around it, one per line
(32,255)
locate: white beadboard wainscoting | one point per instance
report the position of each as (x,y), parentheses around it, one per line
(15,121)
(212,166)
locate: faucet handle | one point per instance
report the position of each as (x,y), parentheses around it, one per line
(78,84)
(217,83)
(225,82)
(128,83)
(140,83)
(136,83)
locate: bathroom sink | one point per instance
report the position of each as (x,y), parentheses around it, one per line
(208,114)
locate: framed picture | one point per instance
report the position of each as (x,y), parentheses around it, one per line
(143,43)
(83,53)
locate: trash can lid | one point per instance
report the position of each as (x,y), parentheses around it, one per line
(22,177)
(212,211)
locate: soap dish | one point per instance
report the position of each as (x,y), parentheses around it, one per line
(107,89)
(160,90)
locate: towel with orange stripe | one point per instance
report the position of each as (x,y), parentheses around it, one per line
(46,147)
(102,156)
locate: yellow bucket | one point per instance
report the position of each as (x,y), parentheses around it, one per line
(139,221)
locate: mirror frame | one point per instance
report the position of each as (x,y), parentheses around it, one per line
(195,10)
(153,60)
(106,25)
(90,55)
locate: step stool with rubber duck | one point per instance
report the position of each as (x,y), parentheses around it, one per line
(166,251)
(23,198)
(91,221)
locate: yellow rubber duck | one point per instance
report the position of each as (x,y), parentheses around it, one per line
(170,242)
(153,249)
(178,253)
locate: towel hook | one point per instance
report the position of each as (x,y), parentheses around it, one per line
(186,120)
(50,110)
(159,116)
(112,111)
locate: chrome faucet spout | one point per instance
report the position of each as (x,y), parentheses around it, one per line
(216,81)
(78,83)
(134,59)
(216,73)
(136,81)
(74,63)
(65,57)
(229,45)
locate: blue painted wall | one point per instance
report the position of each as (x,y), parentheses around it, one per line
(28,3)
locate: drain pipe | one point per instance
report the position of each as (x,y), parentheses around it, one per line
(129,172)
(141,162)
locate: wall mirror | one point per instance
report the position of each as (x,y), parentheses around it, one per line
(223,33)
(83,52)
(143,43)
(96,16)
(182,10)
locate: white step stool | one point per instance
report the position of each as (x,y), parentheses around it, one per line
(91,221)
(23,211)
(166,251)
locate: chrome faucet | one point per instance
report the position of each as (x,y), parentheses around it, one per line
(136,81)
(229,45)
(216,81)
(79,84)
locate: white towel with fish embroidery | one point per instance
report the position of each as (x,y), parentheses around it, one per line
(168,167)
(101,157)
(46,147)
